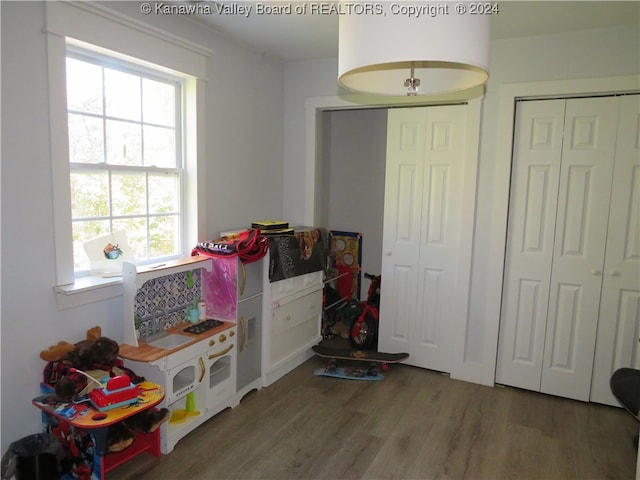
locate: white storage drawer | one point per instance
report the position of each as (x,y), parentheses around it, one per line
(292,310)
(288,286)
(288,342)
(295,324)
(291,314)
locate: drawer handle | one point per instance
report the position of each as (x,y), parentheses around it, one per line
(244,279)
(243,331)
(219,354)
(202,369)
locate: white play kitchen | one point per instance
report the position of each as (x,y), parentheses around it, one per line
(212,329)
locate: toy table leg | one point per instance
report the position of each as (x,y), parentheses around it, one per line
(100,437)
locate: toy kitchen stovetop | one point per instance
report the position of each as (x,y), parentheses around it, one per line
(203,326)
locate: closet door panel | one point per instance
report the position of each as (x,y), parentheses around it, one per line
(619,323)
(400,309)
(426,161)
(401,228)
(532,213)
(580,238)
(444,161)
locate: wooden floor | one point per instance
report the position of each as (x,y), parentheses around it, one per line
(414,424)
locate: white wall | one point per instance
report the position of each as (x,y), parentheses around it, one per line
(302,80)
(576,55)
(244,178)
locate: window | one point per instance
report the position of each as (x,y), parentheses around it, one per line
(151,194)
(126,169)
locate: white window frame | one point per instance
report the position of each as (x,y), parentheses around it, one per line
(91,26)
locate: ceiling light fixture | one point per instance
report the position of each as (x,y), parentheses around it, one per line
(412,83)
(441,51)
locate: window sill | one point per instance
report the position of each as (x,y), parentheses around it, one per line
(86,290)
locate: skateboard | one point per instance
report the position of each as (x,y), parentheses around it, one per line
(359,355)
(377,360)
(348,373)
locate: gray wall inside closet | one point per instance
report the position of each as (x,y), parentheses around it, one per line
(354,144)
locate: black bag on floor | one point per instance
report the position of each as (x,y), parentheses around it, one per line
(35,457)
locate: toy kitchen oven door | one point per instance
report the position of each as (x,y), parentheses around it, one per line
(200,382)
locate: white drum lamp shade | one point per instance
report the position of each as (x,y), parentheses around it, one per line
(382,54)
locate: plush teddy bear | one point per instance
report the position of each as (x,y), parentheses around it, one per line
(97,356)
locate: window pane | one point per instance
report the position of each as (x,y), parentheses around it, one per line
(83,231)
(158,103)
(116,121)
(163,193)
(122,95)
(128,194)
(159,147)
(89,194)
(163,236)
(85,139)
(136,229)
(124,144)
(84,86)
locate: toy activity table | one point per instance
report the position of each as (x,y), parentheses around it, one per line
(86,417)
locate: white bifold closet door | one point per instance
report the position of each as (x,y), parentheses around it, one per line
(618,340)
(563,221)
(423,217)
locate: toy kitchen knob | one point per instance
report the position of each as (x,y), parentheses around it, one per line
(222,338)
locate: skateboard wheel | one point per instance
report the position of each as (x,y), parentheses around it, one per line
(332,366)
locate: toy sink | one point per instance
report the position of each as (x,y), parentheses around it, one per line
(171,341)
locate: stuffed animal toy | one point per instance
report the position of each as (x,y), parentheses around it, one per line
(98,357)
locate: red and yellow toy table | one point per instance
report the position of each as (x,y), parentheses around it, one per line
(86,418)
